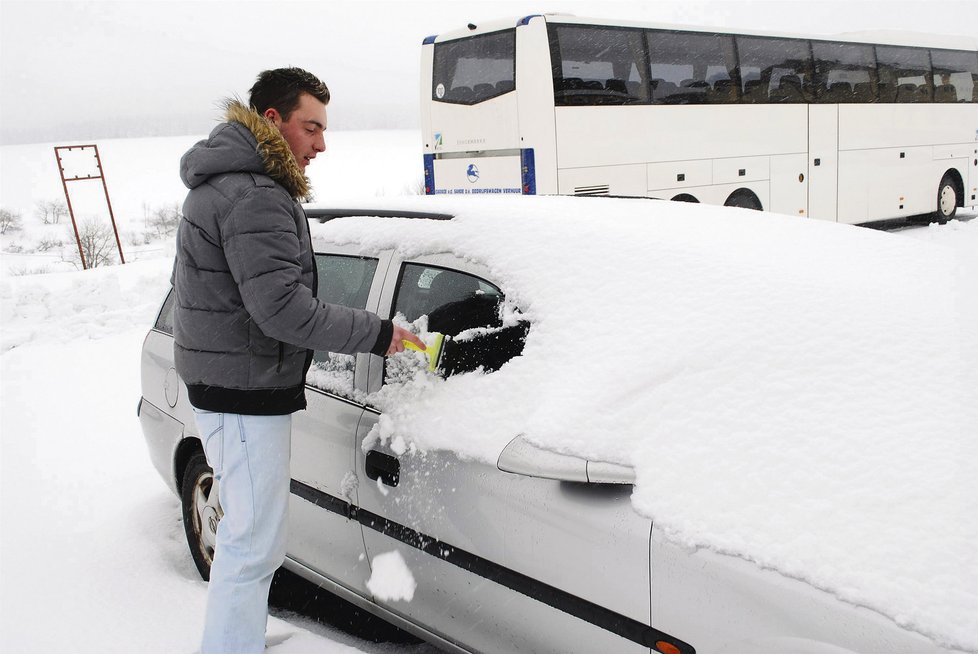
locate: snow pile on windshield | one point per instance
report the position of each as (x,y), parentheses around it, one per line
(797,393)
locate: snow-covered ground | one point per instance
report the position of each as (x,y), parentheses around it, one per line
(92,552)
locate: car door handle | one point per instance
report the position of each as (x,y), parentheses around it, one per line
(384,467)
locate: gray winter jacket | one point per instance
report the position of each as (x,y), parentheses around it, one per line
(246,317)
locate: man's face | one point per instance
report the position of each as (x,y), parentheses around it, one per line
(304,130)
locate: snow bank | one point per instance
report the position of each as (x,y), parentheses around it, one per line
(797,393)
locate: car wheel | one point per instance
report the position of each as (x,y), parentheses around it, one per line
(201,512)
(947,200)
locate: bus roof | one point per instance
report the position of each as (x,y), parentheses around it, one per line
(876,37)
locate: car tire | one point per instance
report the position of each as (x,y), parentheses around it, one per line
(947,199)
(201,512)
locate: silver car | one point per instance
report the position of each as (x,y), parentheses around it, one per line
(542,552)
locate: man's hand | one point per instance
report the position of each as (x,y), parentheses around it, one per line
(397,340)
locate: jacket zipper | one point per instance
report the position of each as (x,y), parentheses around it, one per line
(281,356)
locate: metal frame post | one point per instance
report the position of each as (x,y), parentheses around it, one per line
(105,188)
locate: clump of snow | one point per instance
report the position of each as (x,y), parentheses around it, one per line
(391,579)
(801,394)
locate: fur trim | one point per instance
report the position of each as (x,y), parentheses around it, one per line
(280,163)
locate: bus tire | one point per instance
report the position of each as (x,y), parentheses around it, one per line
(744,199)
(947,199)
(685,197)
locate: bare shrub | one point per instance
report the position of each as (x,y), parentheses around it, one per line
(49,243)
(10,221)
(164,221)
(51,211)
(97,244)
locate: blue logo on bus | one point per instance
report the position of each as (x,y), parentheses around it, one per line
(472,172)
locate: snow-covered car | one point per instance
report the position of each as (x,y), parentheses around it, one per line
(654,428)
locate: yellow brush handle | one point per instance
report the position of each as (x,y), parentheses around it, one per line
(432,352)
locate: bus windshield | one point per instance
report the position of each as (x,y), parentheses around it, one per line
(475,69)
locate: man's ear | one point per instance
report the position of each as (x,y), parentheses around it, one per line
(273,116)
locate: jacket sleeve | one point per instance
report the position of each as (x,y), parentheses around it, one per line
(261,244)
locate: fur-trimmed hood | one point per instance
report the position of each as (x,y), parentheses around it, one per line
(247,142)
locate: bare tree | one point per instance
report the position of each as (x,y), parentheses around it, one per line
(97,244)
(50,211)
(164,221)
(59,210)
(10,221)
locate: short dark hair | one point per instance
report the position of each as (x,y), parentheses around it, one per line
(280,89)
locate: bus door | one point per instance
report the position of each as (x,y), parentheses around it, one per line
(823,161)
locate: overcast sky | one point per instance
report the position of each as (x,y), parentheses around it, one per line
(79,70)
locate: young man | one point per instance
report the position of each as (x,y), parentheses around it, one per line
(246,323)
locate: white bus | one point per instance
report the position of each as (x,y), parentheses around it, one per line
(838,129)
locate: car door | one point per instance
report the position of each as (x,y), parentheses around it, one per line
(322,535)
(503,562)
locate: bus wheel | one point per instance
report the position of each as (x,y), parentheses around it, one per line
(744,199)
(947,199)
(685,197)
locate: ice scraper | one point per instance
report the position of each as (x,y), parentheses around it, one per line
(433,352)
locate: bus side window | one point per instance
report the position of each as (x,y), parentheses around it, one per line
(691,68)
(955,75)
(904,74)
(785,67)
(598,65)
(844,72)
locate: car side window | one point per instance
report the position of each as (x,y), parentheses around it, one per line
(342,280)
(164,322)
(468,310)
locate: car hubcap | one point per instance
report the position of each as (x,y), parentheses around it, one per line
(947,200)
(207,514)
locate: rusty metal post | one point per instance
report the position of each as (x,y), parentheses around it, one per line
(105,188)
(98,162)
(71,212)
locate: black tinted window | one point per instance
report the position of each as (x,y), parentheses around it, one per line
(844,72)
(598,65)
(474,69)
(344,280)
(955,76)
(690,68)
(464,308)
(904,74)
(164,322)
(774,70)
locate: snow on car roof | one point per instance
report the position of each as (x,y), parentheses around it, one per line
(793,392)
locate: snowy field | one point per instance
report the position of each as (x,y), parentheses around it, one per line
(92,551)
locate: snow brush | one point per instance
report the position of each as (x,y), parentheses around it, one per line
(433,352)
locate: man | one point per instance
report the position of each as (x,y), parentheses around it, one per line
(246,323)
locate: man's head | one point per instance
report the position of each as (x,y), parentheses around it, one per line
(295,102)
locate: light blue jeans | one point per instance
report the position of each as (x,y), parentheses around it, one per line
(250,458)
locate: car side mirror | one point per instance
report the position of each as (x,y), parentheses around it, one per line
(522,457)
